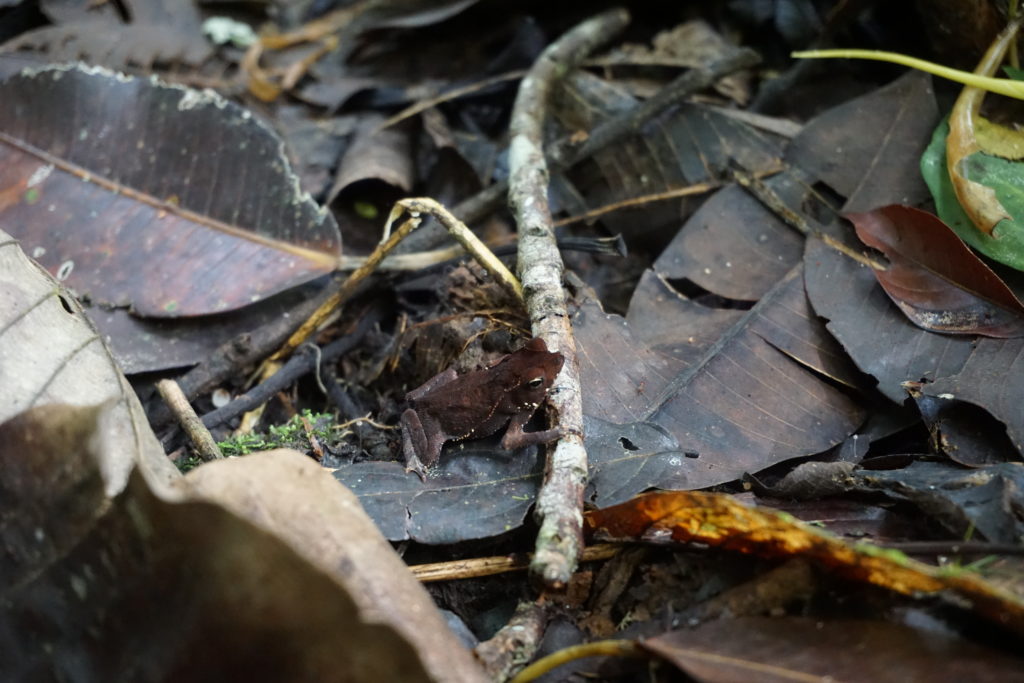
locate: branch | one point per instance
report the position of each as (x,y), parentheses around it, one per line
(560,501)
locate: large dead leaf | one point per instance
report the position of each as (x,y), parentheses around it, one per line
(868,148)
(160,32)
(168,200)
(774,650)
(877,337)
(732,245)
(753,398)
(51,353)
(884,344)
(934,278)
(720,521)
(87,572)
(230,557)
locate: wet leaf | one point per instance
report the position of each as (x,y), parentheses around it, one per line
(965,502)
(186,206)
(934,278)
(720,521)
(801,649)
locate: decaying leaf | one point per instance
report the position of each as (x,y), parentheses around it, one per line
(786,649)
(254,566)
(87,572)
(868,149)
(877,337)
(53,354)
(168,200)
(726,410)
(934,278)
(884,344)
(720,521)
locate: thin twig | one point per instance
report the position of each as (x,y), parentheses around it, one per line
(345,291)
(297,366)
(560,500)
(202,441)
(512,647)
(696,188)
(464,236)
(772,201)
(501,564)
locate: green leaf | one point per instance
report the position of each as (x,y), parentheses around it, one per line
(1006,178)
(1014,73)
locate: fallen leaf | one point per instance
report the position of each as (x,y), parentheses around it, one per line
(87,572)
(778,649)
(877,337)
(868,148)
(53,354)
(981,501)
(718,520)
(934,278)
(184,206)
(887,346)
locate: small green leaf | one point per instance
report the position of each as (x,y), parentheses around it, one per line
(1014,73)
(1006,178)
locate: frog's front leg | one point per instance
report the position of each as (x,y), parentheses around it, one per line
(421,444)
(515,437)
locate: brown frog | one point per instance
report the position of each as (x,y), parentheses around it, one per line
(453,407)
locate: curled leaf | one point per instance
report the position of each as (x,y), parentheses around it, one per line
(978,201)
(934,278)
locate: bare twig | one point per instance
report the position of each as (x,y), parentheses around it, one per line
(500,564)
(202,441)
(296,367)
(516,643)
(772,201)
(470,242)
(560,501)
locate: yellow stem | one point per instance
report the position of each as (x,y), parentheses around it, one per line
(1001,86)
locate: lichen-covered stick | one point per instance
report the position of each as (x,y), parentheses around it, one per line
(560,501)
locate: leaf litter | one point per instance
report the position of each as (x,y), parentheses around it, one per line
(723,351)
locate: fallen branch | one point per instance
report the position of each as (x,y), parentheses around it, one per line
(560,501)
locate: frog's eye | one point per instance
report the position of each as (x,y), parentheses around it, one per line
(535,383)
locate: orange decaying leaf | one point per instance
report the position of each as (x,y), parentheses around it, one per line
(721,521)
(979,202)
